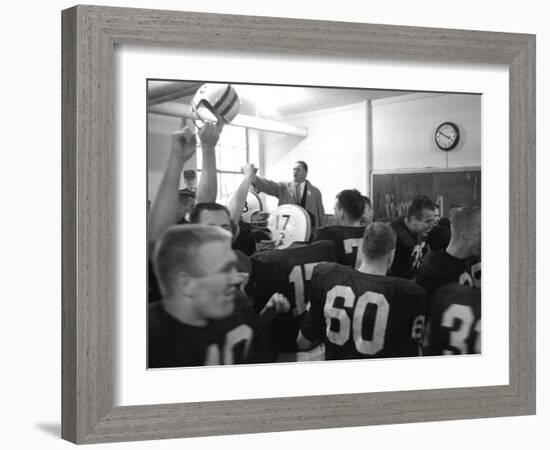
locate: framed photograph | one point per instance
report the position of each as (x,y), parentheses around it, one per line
(133,79)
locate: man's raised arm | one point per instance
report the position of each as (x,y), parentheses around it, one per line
(164,211)
(268,187)
(238,200)
(209,135)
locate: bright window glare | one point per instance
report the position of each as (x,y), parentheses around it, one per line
(231,155)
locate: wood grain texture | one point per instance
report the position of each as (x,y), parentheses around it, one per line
(68,225)
(89,36)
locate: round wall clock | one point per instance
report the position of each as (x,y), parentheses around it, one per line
(447,136)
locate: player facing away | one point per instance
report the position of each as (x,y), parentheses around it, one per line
(203,319)
(287,271)
(347,234)
(364,313)
(454,321)
(460,261)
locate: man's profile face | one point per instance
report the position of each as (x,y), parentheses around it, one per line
(422,226)
(338,212)
(218,218)
(368,214)
(214,291)
(299,173)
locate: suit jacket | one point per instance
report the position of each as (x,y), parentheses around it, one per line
(286,193)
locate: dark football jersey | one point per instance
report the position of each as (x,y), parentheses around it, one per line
(172,343)
(454,324)
(245,239)
(409,251)
(287,271)
(240,337)
(360,315)
(440,268)
(438,238)
(347,241)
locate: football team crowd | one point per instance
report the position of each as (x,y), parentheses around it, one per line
(358,288)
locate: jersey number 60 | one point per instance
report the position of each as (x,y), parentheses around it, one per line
(353,328)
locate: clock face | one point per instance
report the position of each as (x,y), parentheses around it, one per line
(447,136)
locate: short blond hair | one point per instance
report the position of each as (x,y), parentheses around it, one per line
(379,240)
(177,249)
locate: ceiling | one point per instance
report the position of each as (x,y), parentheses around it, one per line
(271,101)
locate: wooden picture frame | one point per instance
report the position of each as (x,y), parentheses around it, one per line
(90,34)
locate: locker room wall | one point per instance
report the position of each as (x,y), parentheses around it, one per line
(403,130)
(335,151)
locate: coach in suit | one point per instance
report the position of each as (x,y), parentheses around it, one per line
(297,192)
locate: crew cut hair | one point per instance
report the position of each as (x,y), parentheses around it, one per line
(378,240)
(463,219)
(418,205)
(194,215)
(177,249)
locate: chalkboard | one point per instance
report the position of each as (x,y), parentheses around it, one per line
(392,193)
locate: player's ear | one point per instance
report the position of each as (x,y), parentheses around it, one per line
(185,284)
(360,258)
(391,255)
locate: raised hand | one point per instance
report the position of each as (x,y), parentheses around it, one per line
(210,133)
(184,143)
(250,171)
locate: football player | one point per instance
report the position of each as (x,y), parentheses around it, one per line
(201,319)
(412,231)
(438,237)
(287,271)
(165,210)
(459,262)
(454,324)
(347,234)
(364,313)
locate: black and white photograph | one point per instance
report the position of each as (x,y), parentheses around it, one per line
(295,224)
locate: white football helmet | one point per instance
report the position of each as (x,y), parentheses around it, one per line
(215,102)
(252,207)
(288,224)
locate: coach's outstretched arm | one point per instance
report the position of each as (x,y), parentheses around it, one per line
(209,135)
(269,187)
(164,211)
(238,200)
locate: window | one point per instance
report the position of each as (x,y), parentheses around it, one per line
(232,152)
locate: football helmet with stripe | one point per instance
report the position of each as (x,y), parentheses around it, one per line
(215,102)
